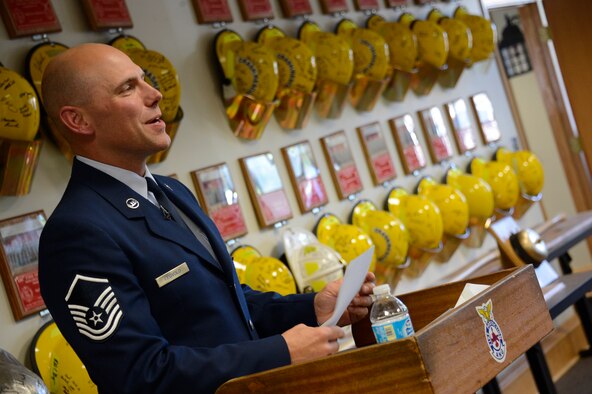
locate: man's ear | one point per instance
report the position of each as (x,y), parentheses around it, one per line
(74,119)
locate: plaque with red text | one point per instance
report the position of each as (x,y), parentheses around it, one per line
(366,5)
(377,155)
(341,164)
(293,8)
(436,134)
(212,11)
(107,14)
(253,10)
(266,189)
(24,18)
(410,151)
(422,2)
(462,129)
(305,176)
(19,245)
(218,198)
(395,3)
(333,6)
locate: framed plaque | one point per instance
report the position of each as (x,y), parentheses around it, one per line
(377,155)
(219,199)
(19,242)
(462,129)
(436,134)
(212,11)
(305,176)
(333,6)
(253,10)
(107,14)
(293,8)
(266,189)
(30,17)
(341,164)
(395,3)
(366,5)
(483,109)
(410,151)
(422,2)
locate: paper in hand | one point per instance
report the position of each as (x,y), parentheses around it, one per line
(352,282)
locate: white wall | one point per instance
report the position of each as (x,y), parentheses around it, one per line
(204,138)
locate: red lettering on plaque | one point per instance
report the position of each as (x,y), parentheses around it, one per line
(106,14)
(366,5)
(252,10)
(212,11)
(292,8)
(29,17)
(333,6)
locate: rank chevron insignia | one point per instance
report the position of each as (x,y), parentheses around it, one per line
(493,332)
(94,307)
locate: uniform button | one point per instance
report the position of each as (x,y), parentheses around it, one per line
(251,325)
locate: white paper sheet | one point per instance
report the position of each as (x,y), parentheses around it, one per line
(352,281)
(469,291)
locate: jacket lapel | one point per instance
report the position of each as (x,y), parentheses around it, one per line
(134,206)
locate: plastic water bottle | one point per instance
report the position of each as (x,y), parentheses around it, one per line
(389,316)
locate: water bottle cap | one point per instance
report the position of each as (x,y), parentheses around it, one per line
(382,289)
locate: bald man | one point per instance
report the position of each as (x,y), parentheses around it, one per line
(135,275)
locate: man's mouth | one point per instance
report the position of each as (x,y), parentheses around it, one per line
(154,120)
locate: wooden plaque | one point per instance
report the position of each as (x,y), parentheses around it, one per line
(342,165)
(422,2)
(219,200)
(457,113)
(436,134)
(410,151)
(266,189)
(212,11)
(333,6)
(366,5)
(107,14)
(377,155)
(293,8)
(19,245)
(24,18)
(483,109)
(305,176)
(395,3)
(252,10)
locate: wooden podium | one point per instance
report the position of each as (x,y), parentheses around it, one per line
(450,352)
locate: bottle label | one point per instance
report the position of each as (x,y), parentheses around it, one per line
(391,330)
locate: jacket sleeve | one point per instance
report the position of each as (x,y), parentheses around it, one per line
(136,357)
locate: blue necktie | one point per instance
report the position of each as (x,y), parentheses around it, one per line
(170,213)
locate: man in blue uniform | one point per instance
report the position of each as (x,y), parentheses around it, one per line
(136,276)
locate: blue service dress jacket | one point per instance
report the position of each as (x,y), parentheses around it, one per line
(100,255)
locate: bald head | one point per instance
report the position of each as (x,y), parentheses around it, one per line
(69,77)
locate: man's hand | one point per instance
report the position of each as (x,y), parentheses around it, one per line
(325,300)
(308,343)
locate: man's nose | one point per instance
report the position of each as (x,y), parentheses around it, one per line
(153,95)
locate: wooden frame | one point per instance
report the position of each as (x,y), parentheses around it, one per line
(436,134)
(27,18)
(342,165)
(294,8)
(266,189)
(305,176)
(107,15)
(254,10)
(219,199)
(459,120)
(366,5)
(212,11)
(19,244)
(410,151)
(378,158)
(484,113)
(329,7)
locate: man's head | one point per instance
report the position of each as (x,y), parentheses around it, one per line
(106,111)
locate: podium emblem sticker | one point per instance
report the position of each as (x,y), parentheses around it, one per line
(493,332)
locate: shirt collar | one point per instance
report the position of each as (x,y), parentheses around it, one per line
(129,178)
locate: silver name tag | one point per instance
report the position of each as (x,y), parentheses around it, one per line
(171,275)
